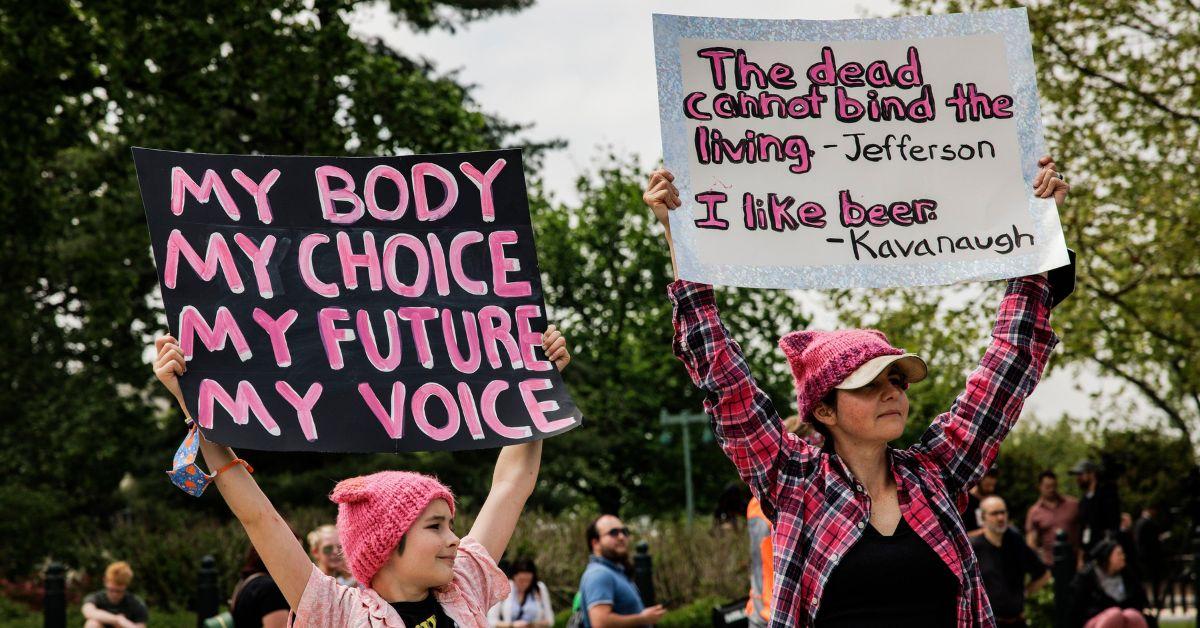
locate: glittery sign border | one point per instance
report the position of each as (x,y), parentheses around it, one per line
(1011,24)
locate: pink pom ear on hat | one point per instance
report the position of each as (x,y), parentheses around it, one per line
(375,511)
(821,360)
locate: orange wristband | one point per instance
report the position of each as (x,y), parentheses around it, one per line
(233,463)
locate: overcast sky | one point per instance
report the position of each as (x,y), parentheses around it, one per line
(583,71)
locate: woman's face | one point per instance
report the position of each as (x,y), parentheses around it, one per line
(430,547)
(328,553)
(523,580)
(1116,560)
(874,413)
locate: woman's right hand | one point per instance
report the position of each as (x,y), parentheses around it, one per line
(169,365)
(661,196)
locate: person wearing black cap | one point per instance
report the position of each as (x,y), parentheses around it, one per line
(1105,596)
(1099,505)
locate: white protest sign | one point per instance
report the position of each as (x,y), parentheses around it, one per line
(854,153)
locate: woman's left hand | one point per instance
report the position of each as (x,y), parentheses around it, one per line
(555,347)
(1047,182)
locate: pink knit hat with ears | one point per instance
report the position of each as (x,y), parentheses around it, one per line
(824,360)
(375,510)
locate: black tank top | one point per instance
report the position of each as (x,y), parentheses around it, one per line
(889,581)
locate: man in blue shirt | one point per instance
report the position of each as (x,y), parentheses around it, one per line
(609,598)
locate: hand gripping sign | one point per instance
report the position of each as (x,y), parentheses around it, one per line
(854,153)
(354,304)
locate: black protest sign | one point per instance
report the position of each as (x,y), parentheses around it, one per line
(354,304)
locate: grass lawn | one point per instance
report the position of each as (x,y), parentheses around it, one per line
(158,619)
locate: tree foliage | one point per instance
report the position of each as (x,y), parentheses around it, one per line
(81,82)
(85,80)
(606,269)
(1148,467)
(1122,117)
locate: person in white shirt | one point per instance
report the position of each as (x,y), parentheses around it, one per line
(528,605)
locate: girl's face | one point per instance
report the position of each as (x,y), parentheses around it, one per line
(430,547)
(874,413)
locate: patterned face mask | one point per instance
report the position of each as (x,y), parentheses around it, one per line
(186,474)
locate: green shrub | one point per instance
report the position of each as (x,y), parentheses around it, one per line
(11,611)
(1039,608)
(158,618)
(697,613)
(37,532)
(165,546)
(561,617)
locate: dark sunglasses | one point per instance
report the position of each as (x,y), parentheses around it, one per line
(616,532)
(330,550)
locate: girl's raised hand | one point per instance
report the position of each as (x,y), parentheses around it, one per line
(555,347)
(169,365)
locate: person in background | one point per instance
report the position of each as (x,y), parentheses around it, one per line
(1124,536)
(1104,595)
(326,552)
(114,605)
(759,528)
(973,516)
(528,605)
(257,601)
(608,597)
(1148,536)
(1052,512)
(731,506)
(1005,562)
(1099,507)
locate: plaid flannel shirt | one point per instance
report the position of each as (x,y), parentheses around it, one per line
(818,508)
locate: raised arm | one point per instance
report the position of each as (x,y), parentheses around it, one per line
(516,473)
(285,559)
(965,440)
(745,421)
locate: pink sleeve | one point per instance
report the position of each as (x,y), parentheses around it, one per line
(477,576)
(324,603)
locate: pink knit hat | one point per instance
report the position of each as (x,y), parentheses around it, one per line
(375,510)
(848,358)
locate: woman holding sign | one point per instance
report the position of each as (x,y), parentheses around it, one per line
(396,530)
(865,534)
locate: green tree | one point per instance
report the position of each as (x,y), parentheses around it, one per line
(1124,124)
(606,270)
(1150,468)
(81,82)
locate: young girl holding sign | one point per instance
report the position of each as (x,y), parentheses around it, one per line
(865,534)
(396,529)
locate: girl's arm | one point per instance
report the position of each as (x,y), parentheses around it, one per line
(269,533)
(516,473)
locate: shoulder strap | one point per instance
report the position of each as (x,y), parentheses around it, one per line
(241,585)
